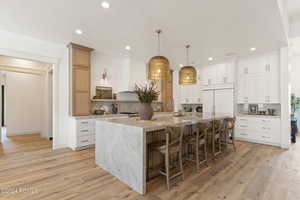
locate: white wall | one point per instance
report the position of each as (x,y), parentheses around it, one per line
(295,72)
(21,46)
(138,72)
(117,70)
(24,103)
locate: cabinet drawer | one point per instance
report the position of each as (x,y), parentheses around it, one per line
(242,126)
(84,132)
(270,137)
(84,122)
(85,127)
(86,140)
(241,133)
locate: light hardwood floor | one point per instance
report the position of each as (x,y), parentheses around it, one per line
(253,172)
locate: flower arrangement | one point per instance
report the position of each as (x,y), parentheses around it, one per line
(147,93)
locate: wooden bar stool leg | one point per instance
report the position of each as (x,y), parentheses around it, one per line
(197,152)
(219,142)
(232,140)
(180,164)
(167,170)
(205,152)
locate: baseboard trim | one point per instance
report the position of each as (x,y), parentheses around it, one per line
(61,146)
(23,133)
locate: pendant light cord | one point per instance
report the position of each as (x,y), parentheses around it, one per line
(187,54)
(158,39)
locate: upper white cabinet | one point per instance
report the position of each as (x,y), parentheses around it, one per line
(190,94)
(222,73)
(258,79)
(209,77)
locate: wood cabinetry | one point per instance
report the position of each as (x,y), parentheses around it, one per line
(167,93)
(258,79)
(80,69)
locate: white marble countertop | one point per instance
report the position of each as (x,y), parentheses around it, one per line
(118,115)
(100,116)
(258,116)
(164,121)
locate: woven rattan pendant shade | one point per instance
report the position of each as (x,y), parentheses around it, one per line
(187,74)
(159,66)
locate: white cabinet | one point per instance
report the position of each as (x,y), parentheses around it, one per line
(264,130)
(258,79)
(83,131)
(207,75)
(208,101)
(220,101)
(222,73)
(224,101)
(190,94)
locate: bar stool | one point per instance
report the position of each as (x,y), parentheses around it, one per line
(229,137)
(173,168)
(216,130)
(195,140)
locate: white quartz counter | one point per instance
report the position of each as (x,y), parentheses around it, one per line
(100,116)
(257,116)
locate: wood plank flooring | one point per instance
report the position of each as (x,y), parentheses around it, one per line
(254,172)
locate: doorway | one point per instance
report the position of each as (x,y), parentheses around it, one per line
(26,97)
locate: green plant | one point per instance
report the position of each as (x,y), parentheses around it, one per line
(147,92)
(295,103)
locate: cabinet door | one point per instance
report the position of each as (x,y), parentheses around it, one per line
(208,76)
(208,101)
(81,58)
(186,93)
(221,73)
(81,79)
(272,79)
(242,82)
(230,72)
(81,105)
(224,101)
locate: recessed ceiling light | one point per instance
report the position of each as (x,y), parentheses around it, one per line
(105,4)
(128,48)
(78,32)
(210,58)
(253,49)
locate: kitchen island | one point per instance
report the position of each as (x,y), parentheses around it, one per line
(121,145)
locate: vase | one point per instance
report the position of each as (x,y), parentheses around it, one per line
(146,111)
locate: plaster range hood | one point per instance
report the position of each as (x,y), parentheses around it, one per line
(127,96)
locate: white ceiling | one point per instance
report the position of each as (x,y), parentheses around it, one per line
(293,8)
(211,27)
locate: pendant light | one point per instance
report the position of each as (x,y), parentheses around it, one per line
(188,73)
(159,66)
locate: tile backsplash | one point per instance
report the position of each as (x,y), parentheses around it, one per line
(123,106)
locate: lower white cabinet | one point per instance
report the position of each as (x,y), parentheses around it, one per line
(264,130)
(83,131)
